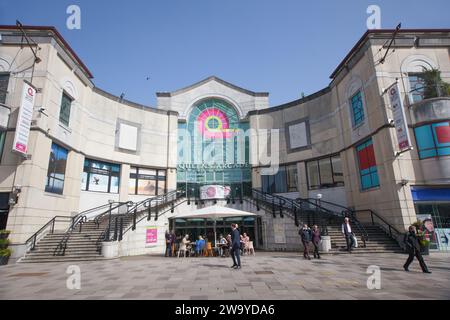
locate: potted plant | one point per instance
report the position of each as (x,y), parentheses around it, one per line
(4,256)
(4,234)
(434,86)
(5,253)
(4,243)
(423,237)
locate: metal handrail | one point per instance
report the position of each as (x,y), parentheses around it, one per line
(138,208)
(33,239)
(81,218)
(389,226)
(346,212)
(292,207)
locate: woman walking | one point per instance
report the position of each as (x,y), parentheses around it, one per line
(316,238)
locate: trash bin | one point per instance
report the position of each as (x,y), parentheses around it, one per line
(325,245)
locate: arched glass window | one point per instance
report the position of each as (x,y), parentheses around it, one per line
(213,147)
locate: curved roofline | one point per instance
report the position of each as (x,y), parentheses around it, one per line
(366,35)
(212,78)
(292,103)
(131,103)
(58,36)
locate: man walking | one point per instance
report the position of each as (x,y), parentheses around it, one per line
(305,234)
(168,244)
(235,247)
(413,247)
(347,232)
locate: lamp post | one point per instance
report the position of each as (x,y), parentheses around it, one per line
(109,222)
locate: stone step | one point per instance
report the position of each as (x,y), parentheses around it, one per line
(61,259)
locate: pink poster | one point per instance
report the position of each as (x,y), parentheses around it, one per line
(151,235)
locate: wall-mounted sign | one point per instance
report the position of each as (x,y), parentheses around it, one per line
(212,166)
(279,232)
(401,126)
(24,119)
(214,192)
(151,235)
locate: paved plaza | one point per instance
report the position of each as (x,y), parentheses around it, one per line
(268,275)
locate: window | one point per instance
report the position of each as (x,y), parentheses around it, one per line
(100,176)
(56,169)
(357,108)
(367,165)
(292,178)
(417,86)
(285,180)
(148,182)
(2,143)
(433,140)
(64,112)
(325,173)
(4,80)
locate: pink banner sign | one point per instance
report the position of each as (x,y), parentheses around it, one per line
(151,235)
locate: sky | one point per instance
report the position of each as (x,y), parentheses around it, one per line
(286,48)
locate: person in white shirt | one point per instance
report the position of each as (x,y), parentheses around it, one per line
(347,232)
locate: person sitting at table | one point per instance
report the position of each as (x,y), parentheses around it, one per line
(222,245)
(183,245)
(246,241)
(199,245)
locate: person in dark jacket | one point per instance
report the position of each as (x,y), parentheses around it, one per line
(235,247)
(315,239)
(413,247)
(305,234)
(168,244)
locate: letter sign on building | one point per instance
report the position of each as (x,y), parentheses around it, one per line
(24,119)
(401,127)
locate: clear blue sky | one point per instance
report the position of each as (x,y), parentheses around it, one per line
(283,47)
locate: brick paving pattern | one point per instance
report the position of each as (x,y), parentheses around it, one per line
(264,276)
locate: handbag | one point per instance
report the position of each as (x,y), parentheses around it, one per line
(355,241)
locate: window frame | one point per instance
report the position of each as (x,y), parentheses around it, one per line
(157,179)
(6,92)
(48,188)
(335,183)
(436,147)
(352,109)
(111,174)
(370,173)
(71,99)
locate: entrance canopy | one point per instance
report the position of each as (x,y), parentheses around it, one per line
(215,212)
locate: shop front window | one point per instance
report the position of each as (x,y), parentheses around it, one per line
(325,173)
(100,176)
(56,169)
(148,182)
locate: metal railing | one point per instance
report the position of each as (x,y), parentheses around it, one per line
(77,222)
(292,207)
(376,219)
(49,227)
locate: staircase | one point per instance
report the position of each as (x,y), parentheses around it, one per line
(378,241)
(82,241)
(371,237)
(81,246)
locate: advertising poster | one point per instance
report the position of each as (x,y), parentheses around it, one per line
(23,125)
(151,235)
(443,237)
(401,126)
(214,192)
